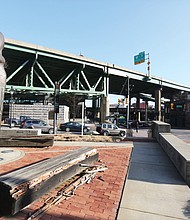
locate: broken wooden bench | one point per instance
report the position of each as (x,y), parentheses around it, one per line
(23,186)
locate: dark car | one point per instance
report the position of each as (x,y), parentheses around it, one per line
(38,124)
(74,126)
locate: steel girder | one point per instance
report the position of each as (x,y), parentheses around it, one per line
(32,71)
(35,69)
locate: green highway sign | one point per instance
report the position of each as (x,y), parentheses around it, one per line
(140,58)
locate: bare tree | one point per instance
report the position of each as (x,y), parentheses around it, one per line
(72,100)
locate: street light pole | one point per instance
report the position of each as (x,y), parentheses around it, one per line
(82,118)
(128,97)
(11,106)
(56,106)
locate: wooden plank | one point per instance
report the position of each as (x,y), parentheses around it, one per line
(23,186)
(27,141)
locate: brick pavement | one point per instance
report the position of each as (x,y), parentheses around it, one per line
(97,200)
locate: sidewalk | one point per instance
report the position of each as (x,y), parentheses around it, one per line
(154,190)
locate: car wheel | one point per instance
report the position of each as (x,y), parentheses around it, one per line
(67,129)
(50,131)
(85,130)
(122,134)
(105,133)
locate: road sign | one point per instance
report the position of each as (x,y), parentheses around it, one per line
(140,58)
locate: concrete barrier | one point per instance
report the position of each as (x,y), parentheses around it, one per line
(177,150)
(160,127)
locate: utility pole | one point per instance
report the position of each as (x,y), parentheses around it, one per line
(82,118)
(148,63)
(11,106)
(56,105)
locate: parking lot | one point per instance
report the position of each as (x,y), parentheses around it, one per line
(58,131)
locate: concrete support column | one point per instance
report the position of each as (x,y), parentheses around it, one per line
(95,105)
(138,108)
(158,104)
(104,108)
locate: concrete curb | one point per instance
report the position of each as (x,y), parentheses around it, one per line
(8,155)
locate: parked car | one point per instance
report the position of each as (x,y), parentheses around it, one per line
(124,124)
(144,124)
(38,124)
(74,126)
(110,129)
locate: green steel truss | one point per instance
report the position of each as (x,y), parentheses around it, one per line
(35,71)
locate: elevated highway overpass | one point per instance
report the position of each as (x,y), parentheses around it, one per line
(32,71)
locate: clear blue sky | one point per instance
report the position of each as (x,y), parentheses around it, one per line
(111,31)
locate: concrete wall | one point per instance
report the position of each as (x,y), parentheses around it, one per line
(176,149)
(40,111)
(160,127)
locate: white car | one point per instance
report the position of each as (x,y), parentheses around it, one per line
(110,129)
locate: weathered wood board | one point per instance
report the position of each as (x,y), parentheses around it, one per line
(23,186)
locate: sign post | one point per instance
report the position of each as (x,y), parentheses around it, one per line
(128,106)
(140,58)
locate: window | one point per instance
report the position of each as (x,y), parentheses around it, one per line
(104,125)
(110,126)
(35,122)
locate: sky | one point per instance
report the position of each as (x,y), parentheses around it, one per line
(111,31)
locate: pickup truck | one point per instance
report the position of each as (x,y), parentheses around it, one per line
(110,129)
(16,121)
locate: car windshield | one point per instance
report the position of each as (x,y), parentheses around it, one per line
(115,127)
(77,124)
(43,123)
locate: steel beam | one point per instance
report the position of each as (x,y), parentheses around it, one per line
(112,75)
(17,70)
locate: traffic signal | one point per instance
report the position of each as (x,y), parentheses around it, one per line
(127,101)
(57,88)
(172,106)
(56,97)
(119,101)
